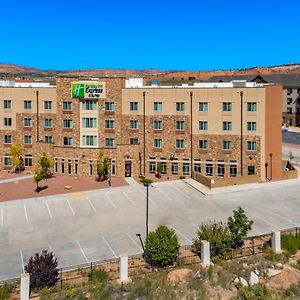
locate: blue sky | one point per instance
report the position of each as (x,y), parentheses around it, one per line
(168,35)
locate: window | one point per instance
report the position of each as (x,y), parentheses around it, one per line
(227,126)
(203,106)
(89,123)
(180,144)
(203,125)
(251,126)
(163,167)
(109,124)
(27,139)
(27,104)
(48,123)
(6,160)
(289,91)
(157,124)
(209,168)
(69,167)
(110,142)
(233,168)
(221,168)
(113,168)
(251,106)
(7,139)
(91,168)
(62,166)
(89,140)
(67,123)
(157,143)
(179,106)
(48,139)
(186,168)
(134,141)
(27,122)
(133,106)
(251,146)
(47,104)
(289,101)
(89,105)
(226,145)
(179,125)
(227,106)
(28,160)
(203,144)
(174,168)
(133,124)
(7,104)
(67,105)
(109,106)
(157,106)
(7,121)
(76,167)
(68,141)
(289,110)
(197,167)
(152,167)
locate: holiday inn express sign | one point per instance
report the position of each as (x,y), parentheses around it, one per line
(88,90)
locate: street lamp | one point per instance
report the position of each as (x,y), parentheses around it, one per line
(146,184)
(144,132)
(109,180)
(141,241)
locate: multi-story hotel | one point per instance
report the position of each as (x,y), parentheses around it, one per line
(216,129)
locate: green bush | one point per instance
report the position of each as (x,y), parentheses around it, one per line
(5,291)
(161,247)
(218,235)
(290,243)
(98,276)
(256,292)
(145,180)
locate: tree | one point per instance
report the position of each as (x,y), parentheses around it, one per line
(45,165)
(217,234)
(16,156)
(159,169)
(239,225)
(38,176)
(161,247)
(42,268)
(102,167)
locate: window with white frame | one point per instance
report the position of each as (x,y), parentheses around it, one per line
(89,140)
(152,167)
(7,139)
(251,126)
(180,144)
(133,124)
(227,126)
(133,106)
(227,106)
(48,139)
(134,141)
(89,123)
(109,124)
(6,160)
(157,124)
(157,106)
(89,105)
(68,141)
(28,160)
(27,122)
(47,104)
(226,145)
(110,142)
(203,125)
(251,106)
(203,106)
(233,168)
(197,166)
(27,104)
(179,125)
(157,143)
(174,168)
(7,104)
(67,123)
(67,105)
(7,121)
(209,169)
(221,168)
(27,139)
(203,144)
(185,168)
(179,106)
(109,106)
(48,123)
(251,145)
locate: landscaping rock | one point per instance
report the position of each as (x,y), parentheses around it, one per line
(254,279)
(243,281)
(283,280)
(278,266)
(273,272)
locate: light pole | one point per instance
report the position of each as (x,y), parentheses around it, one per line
(146,184)
(144,131)
(241,95)
(109,180)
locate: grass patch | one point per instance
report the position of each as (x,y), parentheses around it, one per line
(290,243)
(98,276)
(5,291)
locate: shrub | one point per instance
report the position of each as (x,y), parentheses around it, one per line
(290,243)
(145,180)
(256,292)
(42,269)
(98,275)
(5,291)
(217,234)
(239,225)
(161,247)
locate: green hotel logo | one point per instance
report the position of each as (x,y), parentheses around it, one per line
(77,90)
(87,90)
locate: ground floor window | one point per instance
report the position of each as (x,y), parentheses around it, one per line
(197,167)
(221,169)
(76,167)
(185,168)
(62,166)
(233,170)
(174,168)
(152,167)
(69,167)
(113,168)
(91,168)
(209,170)
(56,166)
(28,160)
(6,160)
(163,168)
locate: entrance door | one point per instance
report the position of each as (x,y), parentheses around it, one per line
(128,168)
(251,170)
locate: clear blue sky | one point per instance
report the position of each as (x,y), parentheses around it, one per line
(169,35)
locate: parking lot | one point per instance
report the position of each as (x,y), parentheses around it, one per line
(101,224)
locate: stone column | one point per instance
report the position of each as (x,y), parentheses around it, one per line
(205,253)
(123,268)
(25,283)
(276,241)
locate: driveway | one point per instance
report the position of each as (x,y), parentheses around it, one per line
(101,224)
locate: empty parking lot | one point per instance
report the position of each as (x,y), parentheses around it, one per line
(101,224)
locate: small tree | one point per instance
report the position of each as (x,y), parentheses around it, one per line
(38,176)
(42,268)
(16,156)
(239,225)
(159,169)
(218,235)
(102,167)
(45,165)
(161,247)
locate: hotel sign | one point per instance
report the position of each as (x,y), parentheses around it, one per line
(88,90)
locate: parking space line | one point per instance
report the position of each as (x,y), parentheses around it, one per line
(81,250)
(72,211)
(183,235)
(129,199)
(180,192)
(110,248)
(48,208)
(2,217)
(264,220)
(281,217)
(132,239)
(22,260)
(91,204)
(164,194)
(25,211)
(110,201)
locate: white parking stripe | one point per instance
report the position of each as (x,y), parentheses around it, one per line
(181,193)
(82,252)
(48,208)
(72,211)
(180,233)
(283,218)
(2,217)
(91,204)
(110,201)
(265,221)
(22,260)
(132,239)
(129,199)
(26,216)
(164,194)
(110,248)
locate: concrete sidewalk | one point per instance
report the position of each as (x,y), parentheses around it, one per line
(15,179)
